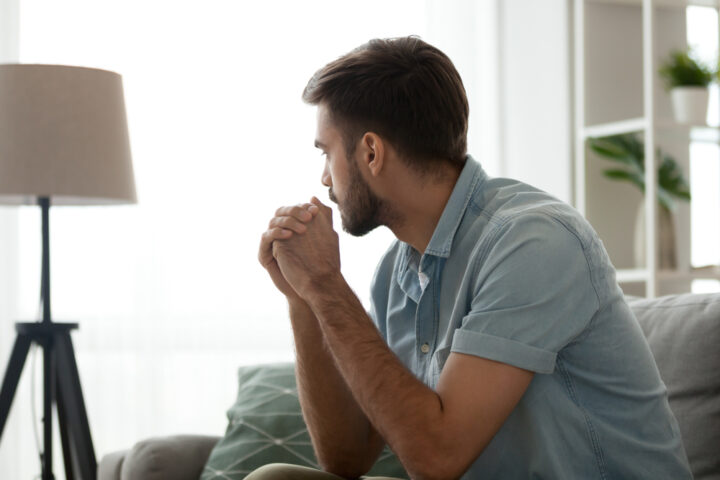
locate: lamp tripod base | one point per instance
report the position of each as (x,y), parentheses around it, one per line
(62,387)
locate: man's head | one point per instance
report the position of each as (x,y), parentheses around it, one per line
(403,92)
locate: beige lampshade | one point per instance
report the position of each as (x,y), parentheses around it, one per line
(63,135)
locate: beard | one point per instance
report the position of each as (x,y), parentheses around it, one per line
(361,210)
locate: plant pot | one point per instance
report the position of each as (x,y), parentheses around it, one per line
(690,104)
(667,258)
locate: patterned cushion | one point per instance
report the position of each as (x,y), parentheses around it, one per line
(266,426)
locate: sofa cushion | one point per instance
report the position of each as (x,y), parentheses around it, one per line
(684,335)
(267,426)
(180,457)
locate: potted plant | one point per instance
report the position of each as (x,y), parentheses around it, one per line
(629,151)
(687,80)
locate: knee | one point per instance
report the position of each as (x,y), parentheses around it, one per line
(272,471)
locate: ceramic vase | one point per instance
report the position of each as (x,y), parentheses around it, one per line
(667,257)
(690,104)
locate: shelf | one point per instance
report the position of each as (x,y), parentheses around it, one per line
(632,275)
(698,133)
(705,134)
(711,272)
(638,27)
(663,3)
(614,128)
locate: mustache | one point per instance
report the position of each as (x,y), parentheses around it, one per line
(331,195)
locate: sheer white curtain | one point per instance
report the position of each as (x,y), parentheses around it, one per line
(13,432)
(168,293)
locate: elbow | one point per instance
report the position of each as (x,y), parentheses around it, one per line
(345,466)
(343,469)
(436,472)
(440,471)
(434,463)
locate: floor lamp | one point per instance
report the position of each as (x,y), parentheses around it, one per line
(63,141)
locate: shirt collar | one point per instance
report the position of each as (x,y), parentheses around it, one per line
(441,241)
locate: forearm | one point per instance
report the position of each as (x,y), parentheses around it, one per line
(344,440)
(406,412)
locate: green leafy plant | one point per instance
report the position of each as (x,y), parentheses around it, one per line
(681,69)
(629,151)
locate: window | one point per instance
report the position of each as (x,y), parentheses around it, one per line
(702,34)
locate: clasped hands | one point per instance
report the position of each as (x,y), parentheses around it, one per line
(300,250)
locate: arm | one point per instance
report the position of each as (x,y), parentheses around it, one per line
(345,442)
(435,434)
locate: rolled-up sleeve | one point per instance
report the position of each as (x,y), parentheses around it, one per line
(534,294)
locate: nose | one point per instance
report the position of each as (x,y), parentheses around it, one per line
(326,178)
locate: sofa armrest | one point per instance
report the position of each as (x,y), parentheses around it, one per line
(180,457)
(111,464)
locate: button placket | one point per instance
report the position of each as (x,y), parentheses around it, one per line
(424,317)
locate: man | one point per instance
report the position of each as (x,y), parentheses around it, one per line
(498,344)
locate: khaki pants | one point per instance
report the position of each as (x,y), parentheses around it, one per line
(282,471)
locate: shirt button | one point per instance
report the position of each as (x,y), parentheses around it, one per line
(425,348)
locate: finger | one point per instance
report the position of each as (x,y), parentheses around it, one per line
(313,209)
(288,223)
(266,243)
(297,211)
(316,201)
(322,207)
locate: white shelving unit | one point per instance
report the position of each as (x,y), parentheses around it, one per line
(648,124)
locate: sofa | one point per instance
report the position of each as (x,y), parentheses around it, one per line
(683,332)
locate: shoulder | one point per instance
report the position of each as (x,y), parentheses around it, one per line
(509,212)
(524,237)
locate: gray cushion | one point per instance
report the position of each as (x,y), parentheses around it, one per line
(684,335)
(111,464)
(179,457)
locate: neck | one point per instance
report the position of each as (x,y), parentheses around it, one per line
(420,210)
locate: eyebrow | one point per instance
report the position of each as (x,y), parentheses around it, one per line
(320,145)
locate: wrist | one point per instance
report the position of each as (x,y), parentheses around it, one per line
(297,305)
(327,291)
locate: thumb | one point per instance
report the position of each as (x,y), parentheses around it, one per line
(323,208)
(315,201)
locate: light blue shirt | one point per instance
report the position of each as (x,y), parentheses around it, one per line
(514,275)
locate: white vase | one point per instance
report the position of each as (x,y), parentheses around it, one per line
(667,258)
(690,104)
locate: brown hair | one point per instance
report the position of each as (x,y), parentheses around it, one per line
(403,89)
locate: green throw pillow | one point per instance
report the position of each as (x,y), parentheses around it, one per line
(267,426)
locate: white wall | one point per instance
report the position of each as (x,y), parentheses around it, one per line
(468,34)
(535,93)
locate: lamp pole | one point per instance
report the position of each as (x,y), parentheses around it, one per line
(45,286)
(48,376)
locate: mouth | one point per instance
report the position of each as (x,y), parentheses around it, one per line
(332,196)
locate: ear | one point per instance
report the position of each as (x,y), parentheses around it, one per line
(373,150)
